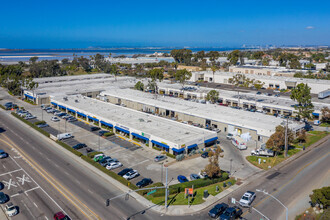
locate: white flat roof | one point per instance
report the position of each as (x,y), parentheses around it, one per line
(71,78)
(159,129)
(264,124)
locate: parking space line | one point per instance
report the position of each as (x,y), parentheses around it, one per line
(14,195)
(31,189)
(27,208)
(35,204)
(139,163)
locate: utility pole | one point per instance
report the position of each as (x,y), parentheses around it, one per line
(161,176)
(166,194)
(99,143)
(42,114)
(65,126)
(286,138)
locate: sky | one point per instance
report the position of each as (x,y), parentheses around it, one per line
(179,23)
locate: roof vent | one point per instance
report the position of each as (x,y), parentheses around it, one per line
(76,100)
(141,119)
(65,98)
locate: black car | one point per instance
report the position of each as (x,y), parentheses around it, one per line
(79,146)
(95,128)
(1,186)
(101,133)
(3,198)
(205,154)
(124,171)
(231,213)
(218,210)
(144,182)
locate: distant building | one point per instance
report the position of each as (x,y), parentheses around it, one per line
(263,70)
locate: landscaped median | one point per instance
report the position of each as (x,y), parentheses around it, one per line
(269,162)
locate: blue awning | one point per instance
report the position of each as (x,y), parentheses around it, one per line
(178,150)
(192,146)
(53,103)
(81,114)
(121,129)
(140,136)
(61,106)
(31,97)
(71,110)
(210,140)
(94,119)
(316,114)
(160,144)
(107,124)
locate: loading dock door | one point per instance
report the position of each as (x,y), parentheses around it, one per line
(230,129)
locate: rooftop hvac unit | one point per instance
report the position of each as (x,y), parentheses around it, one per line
(65,98)
(76,100)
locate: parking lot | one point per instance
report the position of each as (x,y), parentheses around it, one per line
(134,156)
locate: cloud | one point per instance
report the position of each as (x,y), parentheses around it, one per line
(309,27)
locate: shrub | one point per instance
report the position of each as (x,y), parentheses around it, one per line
(1,106)
(170,155)
(225,175)
(39,122)
(69,148)
(321,197)
(92,154)
(31,124)
(156,148)
(108,134)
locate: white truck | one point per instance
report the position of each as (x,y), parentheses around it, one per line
(64,136)
(263,152)
(239,143)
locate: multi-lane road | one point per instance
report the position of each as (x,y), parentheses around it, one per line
(47,180)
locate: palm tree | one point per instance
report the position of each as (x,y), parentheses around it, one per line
(214,69)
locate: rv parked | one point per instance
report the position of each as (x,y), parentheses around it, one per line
(239,143)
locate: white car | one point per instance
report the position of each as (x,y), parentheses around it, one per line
(113,165)
(28,117)
(131,174)
(50,110)
(55,119)
(11,210)
(247,199)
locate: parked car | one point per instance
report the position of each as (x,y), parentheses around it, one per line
(3,198)
(55,119)
(64,136)
(113,165)
(229,136)
(231,213)
(194,176)
(160,158)
(131,174)
(205,154)
(72,120)
(182,179)
(28,117)
(79,146)
(11,210)
(95,128)
(203,175)
(124,171)
(66,116)
(61,216)
(258,93)
(217,210)
(247,199)
(144,182)
(60,114)
(98,157)
(105,160)
(1,186)
(50,110)
(3,154)
(47,108)
(42,125)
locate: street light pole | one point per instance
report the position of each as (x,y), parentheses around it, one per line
(286,138)
(286,208)
(231,160)
(166,194)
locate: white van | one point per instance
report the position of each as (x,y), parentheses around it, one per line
(239,143)
(64,136)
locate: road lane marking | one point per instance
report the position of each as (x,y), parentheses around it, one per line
(10,172)
(31,189)
(35,204)
(9,183)
(27,208)
(4,166)
(38,169)
(17,194)
(289,181)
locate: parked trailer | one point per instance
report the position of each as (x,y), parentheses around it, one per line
(324,94)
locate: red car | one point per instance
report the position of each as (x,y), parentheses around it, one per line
(61,216)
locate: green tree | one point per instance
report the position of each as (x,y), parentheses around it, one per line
(214,69)
(240,80)
(139,86)
(212,96)
(182,76)
(258,84)
(294,64)
(258,55)
(302,95)
(321,197)
(325,115)
(156,74)
(233,57)
(33,60)
(182,55)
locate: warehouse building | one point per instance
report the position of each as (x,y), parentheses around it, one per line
(168,135)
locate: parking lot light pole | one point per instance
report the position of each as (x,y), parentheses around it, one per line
(166,194)
(231,160)
(286,208)
(65,126)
